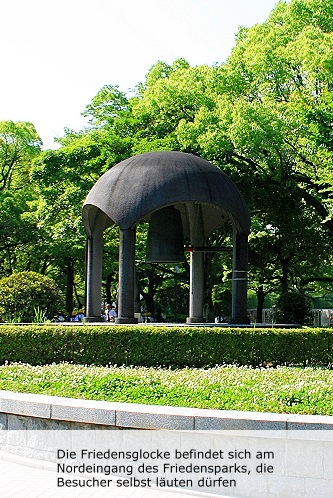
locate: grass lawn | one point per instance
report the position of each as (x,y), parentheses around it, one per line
(279,390)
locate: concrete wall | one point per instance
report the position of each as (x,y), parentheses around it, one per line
(33,411)
(34,426)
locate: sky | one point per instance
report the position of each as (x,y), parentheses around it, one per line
(57,54)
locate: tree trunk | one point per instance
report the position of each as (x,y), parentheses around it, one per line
(260,303)
(108,288)
(284,277)
(70,286)
(77,297)
(149,300)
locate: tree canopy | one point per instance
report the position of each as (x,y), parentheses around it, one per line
(264,116)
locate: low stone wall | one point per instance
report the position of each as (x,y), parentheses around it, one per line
(21,411)
(299,447)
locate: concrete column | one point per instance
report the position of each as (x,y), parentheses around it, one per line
(94,258)
(239,278)
(196,288)
(196,266)
(126,277)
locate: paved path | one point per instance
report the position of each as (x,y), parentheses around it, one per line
(18,480)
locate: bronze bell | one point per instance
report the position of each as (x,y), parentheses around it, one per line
(165,237)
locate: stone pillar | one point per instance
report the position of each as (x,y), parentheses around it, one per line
(94,259)
(196,266)
(239,278)
(196,288)
(126,277)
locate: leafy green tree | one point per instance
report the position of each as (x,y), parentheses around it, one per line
(106,107)
(270,130)
(170,94)
(61,188)
(25,294)
(292,307)
(63,179)
(264,117)
(18,235)
(19,145)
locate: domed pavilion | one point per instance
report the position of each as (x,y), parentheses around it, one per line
(182,197)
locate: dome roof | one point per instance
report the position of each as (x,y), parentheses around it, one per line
(131,190)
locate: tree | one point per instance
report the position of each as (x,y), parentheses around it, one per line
(63,179)
(24,295)
(62,185)
(264,117)
(270,130)
(19,145)
(170,94)
(106,107)
(292,307)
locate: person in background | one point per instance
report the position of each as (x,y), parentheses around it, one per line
(80,316)
(107,313)
(112,314)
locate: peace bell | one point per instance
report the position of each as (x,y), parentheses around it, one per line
(165,237)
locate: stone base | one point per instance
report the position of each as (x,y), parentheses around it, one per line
(124,319)
(195,319)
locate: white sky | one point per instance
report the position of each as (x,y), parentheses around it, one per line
(56,55)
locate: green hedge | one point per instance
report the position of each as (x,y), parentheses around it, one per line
(165,346)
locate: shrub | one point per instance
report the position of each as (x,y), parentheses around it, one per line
(292,307)
(25,294)
(153,346)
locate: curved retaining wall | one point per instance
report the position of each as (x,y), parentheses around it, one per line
(32,432)
(21,411)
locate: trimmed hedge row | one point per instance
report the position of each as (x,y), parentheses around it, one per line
(164,346)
